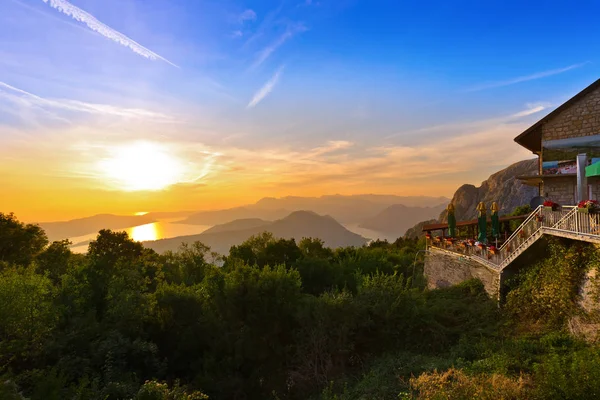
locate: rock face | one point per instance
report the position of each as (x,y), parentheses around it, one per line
(502,187)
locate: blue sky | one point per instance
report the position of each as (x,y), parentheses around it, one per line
(281,97)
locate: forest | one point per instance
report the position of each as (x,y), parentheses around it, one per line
(276,319)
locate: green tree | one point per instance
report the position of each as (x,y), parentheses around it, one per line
(19,242)
(54,260)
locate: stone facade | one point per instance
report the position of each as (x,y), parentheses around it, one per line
(580,119)
(444,269)
(561,190)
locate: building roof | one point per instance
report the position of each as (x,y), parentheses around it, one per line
(531,139)
(435,227)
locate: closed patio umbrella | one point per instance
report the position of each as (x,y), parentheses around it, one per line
(482,223)
(451,221)
(495,222)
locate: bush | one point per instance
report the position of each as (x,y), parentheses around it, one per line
(457,385)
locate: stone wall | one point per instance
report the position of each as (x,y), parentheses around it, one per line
(560,190)
(580,119)
(444,269)
(563,190)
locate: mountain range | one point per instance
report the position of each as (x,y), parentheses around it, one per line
(354,209)
(350,210)
(297,225)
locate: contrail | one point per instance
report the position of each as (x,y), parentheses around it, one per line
(266,89)
(79,15)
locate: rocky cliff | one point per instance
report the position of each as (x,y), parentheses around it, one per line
(502,187)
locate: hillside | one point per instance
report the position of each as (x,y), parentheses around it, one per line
(215,217)
(297,225)
(238,224)
(345,209)
(396,219)
(83,226)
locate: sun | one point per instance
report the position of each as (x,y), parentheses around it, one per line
(142,166)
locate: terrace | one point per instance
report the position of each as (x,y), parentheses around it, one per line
(569,222)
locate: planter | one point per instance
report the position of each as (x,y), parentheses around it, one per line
(584,210)
(553,208)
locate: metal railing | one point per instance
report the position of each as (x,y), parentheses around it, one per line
(580,223)
(567,219)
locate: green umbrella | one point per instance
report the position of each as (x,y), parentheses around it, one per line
(482,223)
(451,221)
(495,221)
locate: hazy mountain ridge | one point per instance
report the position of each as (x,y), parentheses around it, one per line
(297,225)
(397,219)
(345,209)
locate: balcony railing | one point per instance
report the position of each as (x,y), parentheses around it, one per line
(564,220)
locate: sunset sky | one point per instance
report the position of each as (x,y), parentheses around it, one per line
(153,105)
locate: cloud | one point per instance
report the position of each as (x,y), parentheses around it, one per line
(237,34)
(532,108)
(79,15)
(520,79)
(462,126)
(248,15)
(266,89)
(267,51)
(26,99)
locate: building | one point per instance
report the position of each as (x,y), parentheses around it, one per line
(567,142)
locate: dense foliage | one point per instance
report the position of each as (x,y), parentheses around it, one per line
(276,319)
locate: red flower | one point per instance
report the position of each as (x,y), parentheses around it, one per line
(550,203)
(588,204)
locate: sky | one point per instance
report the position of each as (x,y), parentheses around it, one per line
(123,106)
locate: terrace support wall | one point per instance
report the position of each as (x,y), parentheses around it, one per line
(443,269)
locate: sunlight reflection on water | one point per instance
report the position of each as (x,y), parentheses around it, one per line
(145,232)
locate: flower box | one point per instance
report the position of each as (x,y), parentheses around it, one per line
(493,250)
(588,207)
(551,206)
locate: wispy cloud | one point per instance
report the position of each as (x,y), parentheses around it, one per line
(266,89)
(27,99)
(82,16)
(267,51)
(248,15)
(453,128)
(532,108)
(520,79)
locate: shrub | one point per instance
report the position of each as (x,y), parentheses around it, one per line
(455,384)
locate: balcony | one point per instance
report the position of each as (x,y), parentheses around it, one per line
(567,221)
